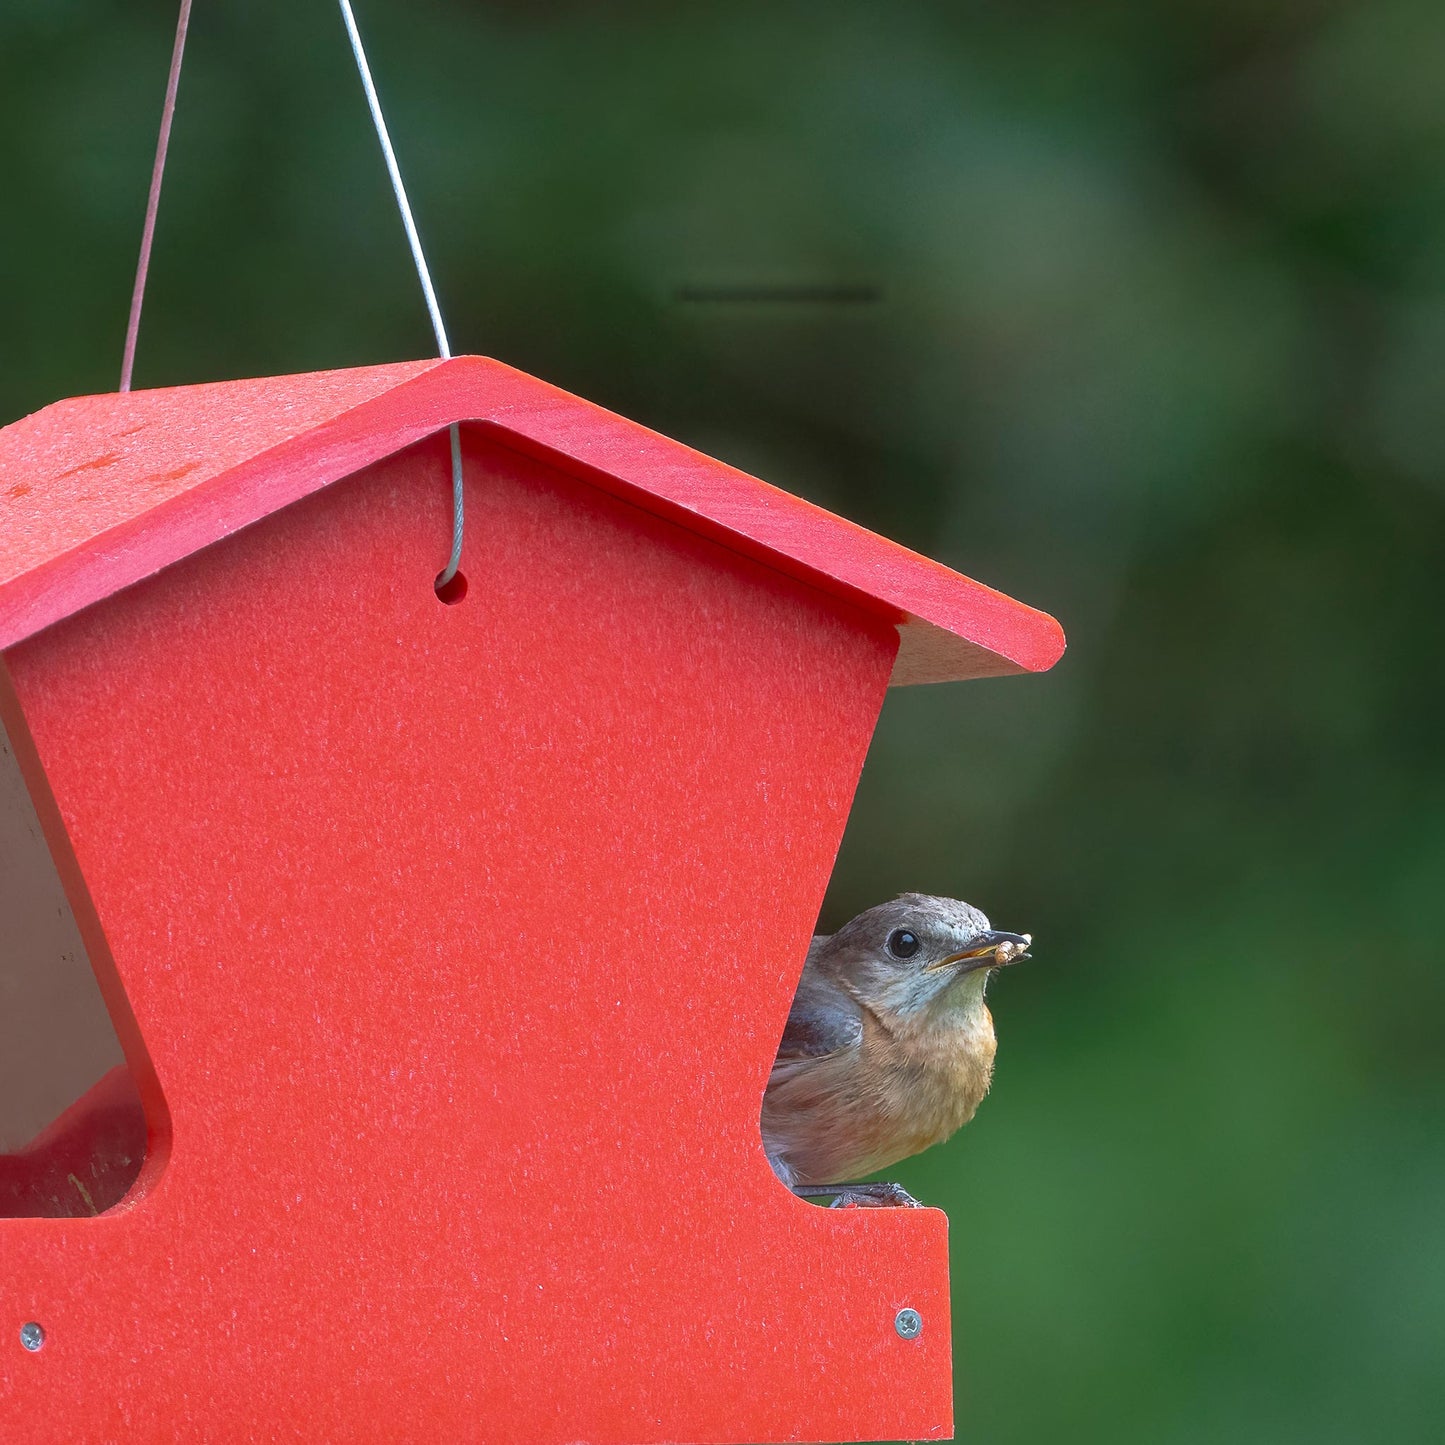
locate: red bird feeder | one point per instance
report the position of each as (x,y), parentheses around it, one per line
(450,945)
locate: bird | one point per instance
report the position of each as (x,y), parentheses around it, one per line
(888,1048)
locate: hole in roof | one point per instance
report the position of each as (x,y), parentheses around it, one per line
(72,1128)
(453,591)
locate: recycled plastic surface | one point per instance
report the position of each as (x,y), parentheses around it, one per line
(450,945)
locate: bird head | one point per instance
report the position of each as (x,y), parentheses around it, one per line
(920,953)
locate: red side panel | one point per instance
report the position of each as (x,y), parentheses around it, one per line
(458,942)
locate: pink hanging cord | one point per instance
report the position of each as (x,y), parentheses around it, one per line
(127,365)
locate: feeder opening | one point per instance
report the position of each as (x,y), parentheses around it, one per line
(72,1129)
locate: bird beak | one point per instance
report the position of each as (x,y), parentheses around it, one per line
(990,950)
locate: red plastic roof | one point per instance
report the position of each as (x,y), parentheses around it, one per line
(101,491)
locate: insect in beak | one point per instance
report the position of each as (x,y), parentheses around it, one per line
(989,950)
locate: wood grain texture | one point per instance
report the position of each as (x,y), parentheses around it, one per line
(450,946)
(99,492)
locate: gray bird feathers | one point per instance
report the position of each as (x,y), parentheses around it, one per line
(889,1046)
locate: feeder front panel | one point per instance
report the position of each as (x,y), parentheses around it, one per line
(451,946)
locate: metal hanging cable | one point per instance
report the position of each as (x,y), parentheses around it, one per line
(428,291)
(158,170)
(403,205)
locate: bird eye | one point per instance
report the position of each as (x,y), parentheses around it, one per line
(902,943)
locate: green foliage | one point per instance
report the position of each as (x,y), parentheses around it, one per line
(1159,348)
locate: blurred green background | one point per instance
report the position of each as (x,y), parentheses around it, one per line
(1156,342)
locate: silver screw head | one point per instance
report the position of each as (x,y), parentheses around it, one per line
(908,1323)
(32,1336)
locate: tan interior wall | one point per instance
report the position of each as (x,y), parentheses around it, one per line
(56,1037)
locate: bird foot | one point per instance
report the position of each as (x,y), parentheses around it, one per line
(874,1196)
(879,1195)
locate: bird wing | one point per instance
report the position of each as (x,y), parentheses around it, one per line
(822,1021)
(822,1036)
